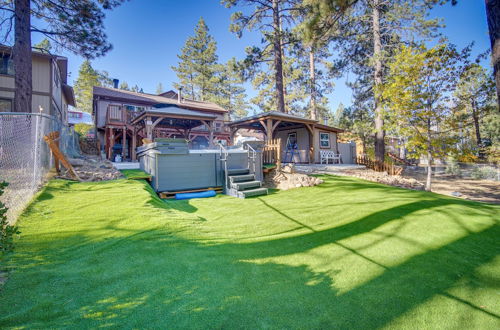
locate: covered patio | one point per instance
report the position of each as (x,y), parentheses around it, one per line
(308,135)
(152,121)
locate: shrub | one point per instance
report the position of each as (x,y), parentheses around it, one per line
(452,166)
(484,172)
(7,231)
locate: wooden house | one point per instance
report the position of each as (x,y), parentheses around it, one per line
(123,118)
(51,92)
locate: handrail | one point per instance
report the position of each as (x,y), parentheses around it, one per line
(253,157)
(223,151)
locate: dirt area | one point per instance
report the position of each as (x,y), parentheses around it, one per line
(91,168)
(478,190)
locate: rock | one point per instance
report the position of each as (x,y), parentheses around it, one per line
(76,161)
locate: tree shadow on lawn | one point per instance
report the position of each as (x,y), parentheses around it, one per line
(157,279)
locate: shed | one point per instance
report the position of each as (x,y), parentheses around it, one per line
(305,136)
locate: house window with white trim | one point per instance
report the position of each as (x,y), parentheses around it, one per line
(324,140)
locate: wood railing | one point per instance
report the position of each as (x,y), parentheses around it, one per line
(115,114)
(271,153)
(379,166)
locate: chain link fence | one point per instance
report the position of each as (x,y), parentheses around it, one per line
(25,158)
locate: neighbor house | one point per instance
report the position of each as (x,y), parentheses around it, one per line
(124,118)
(51,93)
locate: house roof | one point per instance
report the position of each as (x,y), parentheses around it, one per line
(255,121)
(152,99)
(173,111)
(274,115)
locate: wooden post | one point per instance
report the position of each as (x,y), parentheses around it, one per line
(124,140)
(149,128)
(312,138)
(111,142)
(134,144)
(269,129)
(231,136)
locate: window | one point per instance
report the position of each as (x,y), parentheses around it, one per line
(5,105)
(291,142)
(6,65)
(324,140)
(218,127)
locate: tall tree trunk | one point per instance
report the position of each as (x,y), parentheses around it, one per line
(22,56)
(312,80)
(428,182)
(377,56)
(493,16)
(278,58)
(475,118)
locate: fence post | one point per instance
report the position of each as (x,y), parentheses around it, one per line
(35,149)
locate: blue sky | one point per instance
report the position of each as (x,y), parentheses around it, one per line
(148,34)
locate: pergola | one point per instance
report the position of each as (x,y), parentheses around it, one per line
(173,117)
(271,122)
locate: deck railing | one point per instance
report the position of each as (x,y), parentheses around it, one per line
(379,166)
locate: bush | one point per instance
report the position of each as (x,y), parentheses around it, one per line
(7,231)
(452,166)
(83,129)
(484,172)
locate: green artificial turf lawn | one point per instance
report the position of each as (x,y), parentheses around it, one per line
(135,174)
(344,254)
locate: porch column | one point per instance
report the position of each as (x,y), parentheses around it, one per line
(111,142)
(211,133)
(149,129)
(312,139)
(134,144)
(124,140)
(232,134)
(270,129)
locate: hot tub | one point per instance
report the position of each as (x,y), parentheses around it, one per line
(194,169)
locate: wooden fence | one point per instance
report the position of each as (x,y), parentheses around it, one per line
(379,166)
(271,153)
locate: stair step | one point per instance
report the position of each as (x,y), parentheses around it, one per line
(241,178)
(246,185)
(238,171)
(252,192)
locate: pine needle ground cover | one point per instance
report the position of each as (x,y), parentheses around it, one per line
(344,254)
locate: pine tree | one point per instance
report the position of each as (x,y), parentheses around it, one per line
(270,18)
(366,33)
(231,94)
(75,25)
(88,77)
(124,86)
(159,88)
(475,99)
(43,46)
(197,69)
